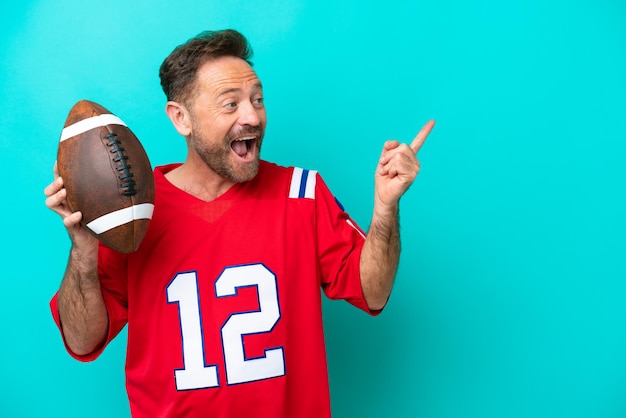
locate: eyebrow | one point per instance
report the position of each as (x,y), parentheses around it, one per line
(256,87)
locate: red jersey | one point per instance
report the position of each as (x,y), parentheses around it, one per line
(222,299)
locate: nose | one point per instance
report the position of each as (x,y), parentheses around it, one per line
(249,115)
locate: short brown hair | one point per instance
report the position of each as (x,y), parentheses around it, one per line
(179,69)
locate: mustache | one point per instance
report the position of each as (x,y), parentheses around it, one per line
(246,130)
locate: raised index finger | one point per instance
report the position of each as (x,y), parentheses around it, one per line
(419,139)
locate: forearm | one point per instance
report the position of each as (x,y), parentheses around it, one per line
(379,258)
(397,168)
(82,311)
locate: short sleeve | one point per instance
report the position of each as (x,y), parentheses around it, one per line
(340,241)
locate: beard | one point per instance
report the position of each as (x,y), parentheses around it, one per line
(220,158)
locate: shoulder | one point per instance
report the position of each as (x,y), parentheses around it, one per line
(294,182)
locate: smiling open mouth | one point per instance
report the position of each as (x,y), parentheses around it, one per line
(243,146)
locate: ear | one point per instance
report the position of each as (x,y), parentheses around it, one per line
(179,115)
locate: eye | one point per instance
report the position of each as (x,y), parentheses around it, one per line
(230,105)
(258,101)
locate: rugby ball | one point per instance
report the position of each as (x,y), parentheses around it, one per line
(107,175)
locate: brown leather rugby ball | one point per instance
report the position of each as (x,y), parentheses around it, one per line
(108,176)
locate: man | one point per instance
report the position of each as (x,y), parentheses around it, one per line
(222,298)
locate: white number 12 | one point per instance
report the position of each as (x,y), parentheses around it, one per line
(196,374)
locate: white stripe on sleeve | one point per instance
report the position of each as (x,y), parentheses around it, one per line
(296,178)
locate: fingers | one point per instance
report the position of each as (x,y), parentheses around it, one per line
(386,155)
(72,219)
(54,197)
(392,146)
(57,183)
(397,160)
(389,145)
(53,187)
(56,200)
(393,170)
(420,138)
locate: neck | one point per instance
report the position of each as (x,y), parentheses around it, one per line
(199,181)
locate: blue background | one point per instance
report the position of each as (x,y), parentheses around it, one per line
(509,297)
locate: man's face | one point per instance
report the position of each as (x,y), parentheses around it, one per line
(228,118)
